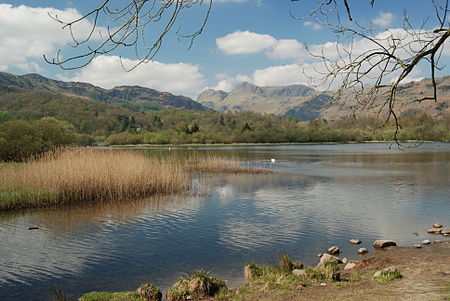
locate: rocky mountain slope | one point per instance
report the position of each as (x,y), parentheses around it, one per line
(132,97)
(306,103)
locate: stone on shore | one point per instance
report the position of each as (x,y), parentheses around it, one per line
(417,246)
(426,242)
(349,266)
(355,241)
(344,260)
(385,270)
(437,241)
(328,258)
(333,250)
(383,243)
(362,251)
(446,232)
(434,231)
(437,225)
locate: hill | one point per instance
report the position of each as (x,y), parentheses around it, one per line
(87,115)
(132,97)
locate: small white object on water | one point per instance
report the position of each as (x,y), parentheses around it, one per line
(272,160)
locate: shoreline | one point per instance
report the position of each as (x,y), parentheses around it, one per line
(423,274)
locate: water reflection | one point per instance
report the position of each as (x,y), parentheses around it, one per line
(320,196)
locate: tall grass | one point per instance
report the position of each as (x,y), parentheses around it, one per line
(93,175)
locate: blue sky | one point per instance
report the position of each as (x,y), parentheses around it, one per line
(244,40)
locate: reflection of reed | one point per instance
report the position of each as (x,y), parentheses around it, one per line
(77,217)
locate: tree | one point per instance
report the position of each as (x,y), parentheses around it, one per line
(391,57)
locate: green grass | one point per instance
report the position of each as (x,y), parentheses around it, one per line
(388,277)
(106,296)
(446,291)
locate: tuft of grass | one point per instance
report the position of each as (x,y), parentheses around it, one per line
(106,296)
(95,175)
(198,284)
(285,263)
(387,277)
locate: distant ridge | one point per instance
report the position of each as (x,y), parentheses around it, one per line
(306,103)
(132,97)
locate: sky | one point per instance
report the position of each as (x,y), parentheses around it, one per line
(257,41)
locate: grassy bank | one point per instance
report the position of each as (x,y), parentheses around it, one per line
(96,175)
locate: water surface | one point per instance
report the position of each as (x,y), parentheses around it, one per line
(320,195)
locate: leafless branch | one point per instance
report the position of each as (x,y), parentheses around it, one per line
(130,24)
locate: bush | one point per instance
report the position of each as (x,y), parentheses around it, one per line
(21,139)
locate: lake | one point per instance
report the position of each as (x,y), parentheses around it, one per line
(319,196)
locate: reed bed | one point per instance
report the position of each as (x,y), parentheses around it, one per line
(93,175)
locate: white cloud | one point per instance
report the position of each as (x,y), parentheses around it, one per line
(28,32)
(314,26)
(384,19)
(244,42)
(106,71)
(285,49)
(279,76)
(227,83)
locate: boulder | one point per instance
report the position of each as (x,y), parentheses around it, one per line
(417,246)
(355,241)
(298,272)
(437,225)
(362,251)
(426,242)
(434,231)
(383,243)
(446,231)
(328,258)
(333,250)
(350,266)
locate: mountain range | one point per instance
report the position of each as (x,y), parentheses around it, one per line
(306,103)
(294,100)
(132,97)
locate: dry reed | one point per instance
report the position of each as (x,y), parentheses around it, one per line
(95,175)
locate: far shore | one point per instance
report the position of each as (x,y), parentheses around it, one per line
(272,144)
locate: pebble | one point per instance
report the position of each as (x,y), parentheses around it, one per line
(323,284)
(350,266)
(434,231)
(355,241)
(362,251)
(437,241)
(417,246)
(344,260)
(426,242)
(298,272)
(437,225)
(319,255)
(333,250)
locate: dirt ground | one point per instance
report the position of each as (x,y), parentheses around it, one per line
(426,276)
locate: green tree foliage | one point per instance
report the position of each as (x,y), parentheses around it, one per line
(21,139)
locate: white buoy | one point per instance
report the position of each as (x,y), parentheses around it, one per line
(272,160)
